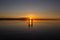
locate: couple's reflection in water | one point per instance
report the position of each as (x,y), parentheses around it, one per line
(30,23)
(29,27)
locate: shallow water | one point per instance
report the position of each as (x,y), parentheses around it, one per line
(16,29)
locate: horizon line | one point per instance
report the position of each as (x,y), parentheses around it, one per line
(29,19)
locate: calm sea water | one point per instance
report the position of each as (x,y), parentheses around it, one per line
(15,29)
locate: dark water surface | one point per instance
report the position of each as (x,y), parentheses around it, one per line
(18,30)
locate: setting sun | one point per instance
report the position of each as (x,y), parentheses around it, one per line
(30,18)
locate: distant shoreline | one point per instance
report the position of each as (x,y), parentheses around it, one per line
(26,19)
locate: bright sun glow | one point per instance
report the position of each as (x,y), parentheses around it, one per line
(30,18)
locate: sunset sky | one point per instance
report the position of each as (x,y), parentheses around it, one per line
(36,8)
